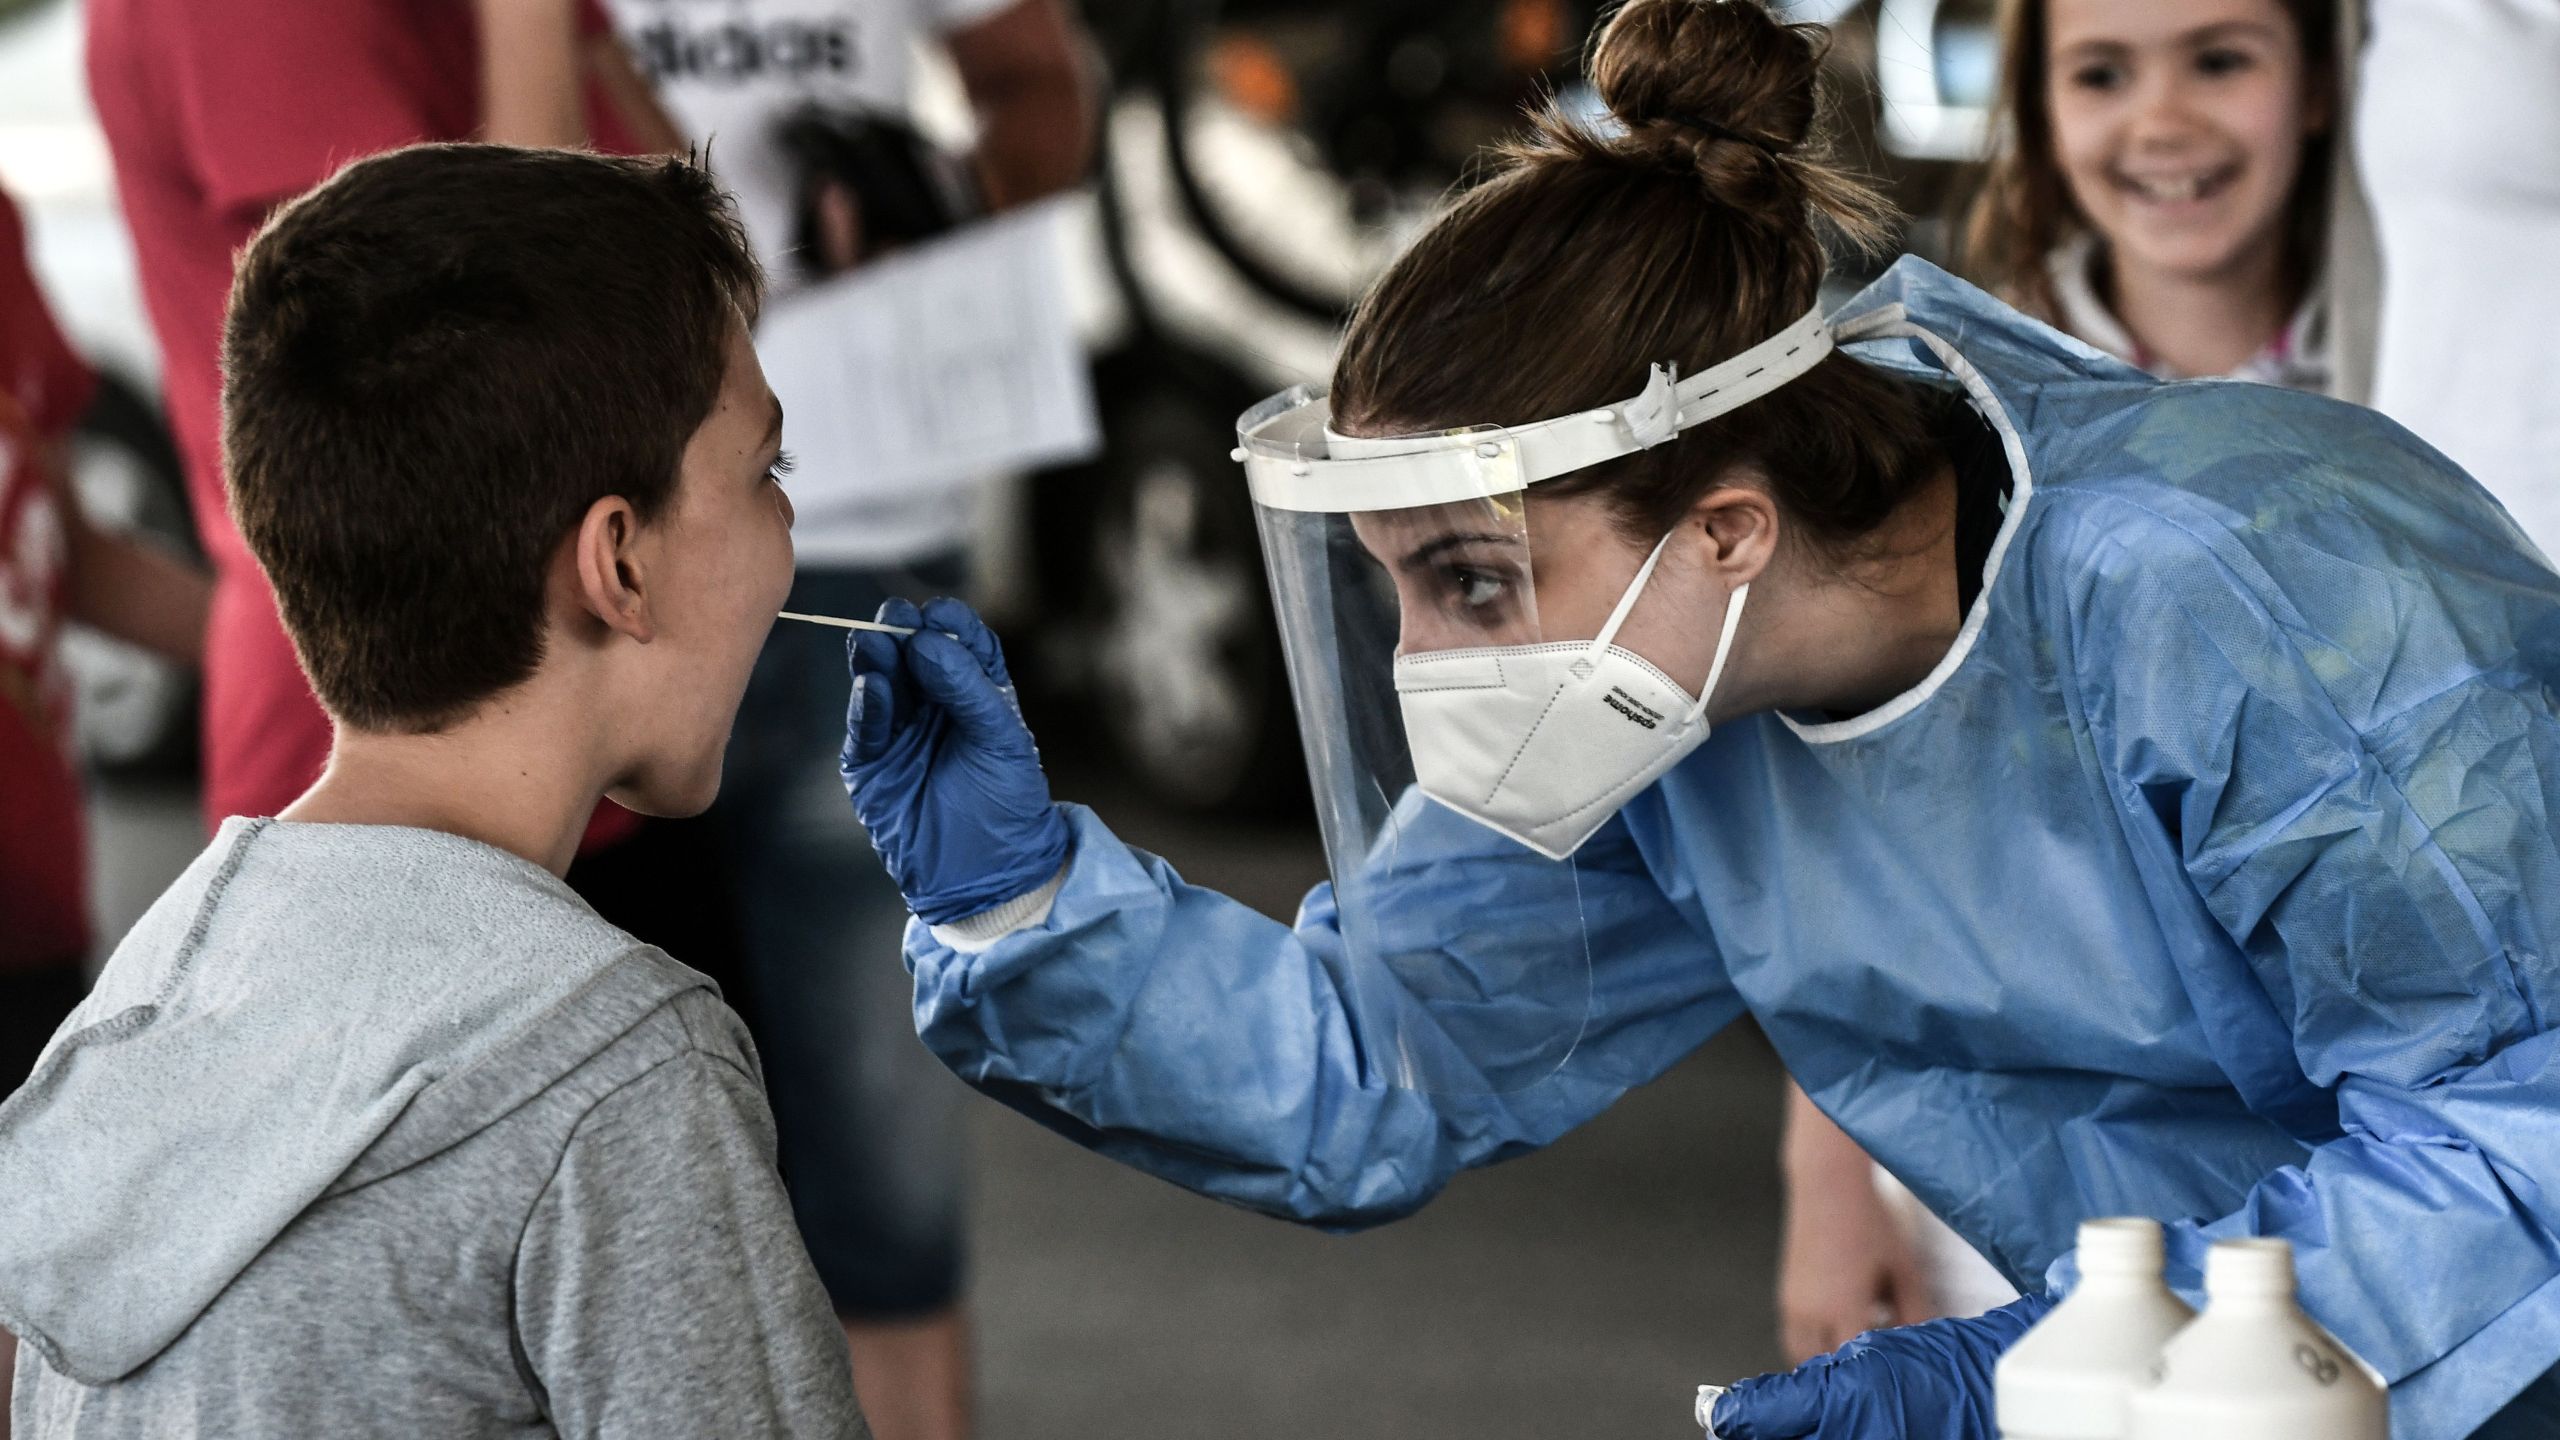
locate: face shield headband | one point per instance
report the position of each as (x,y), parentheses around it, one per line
(1295,460)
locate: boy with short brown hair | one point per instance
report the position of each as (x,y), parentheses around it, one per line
(372,1126)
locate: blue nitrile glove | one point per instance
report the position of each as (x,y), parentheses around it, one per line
(942,770)
(1912,1382)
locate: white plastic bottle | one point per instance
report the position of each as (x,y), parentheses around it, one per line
(2254,1367)
(2070,1376)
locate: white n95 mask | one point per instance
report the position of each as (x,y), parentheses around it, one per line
(1543,743)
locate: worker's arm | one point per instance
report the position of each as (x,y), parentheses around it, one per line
(1177,1030)
(2364,800)
(1028,81)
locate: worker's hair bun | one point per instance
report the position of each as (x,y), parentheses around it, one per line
(1726,90)
(1692,226)
(1704,73)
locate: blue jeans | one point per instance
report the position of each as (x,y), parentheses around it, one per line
(870,1122)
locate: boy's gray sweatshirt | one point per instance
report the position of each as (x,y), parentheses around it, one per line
(379,1131)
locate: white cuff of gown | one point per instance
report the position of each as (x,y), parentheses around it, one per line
(971,934)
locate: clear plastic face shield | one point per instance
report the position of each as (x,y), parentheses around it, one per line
(1461,749)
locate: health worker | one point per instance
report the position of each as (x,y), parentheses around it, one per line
(2111,797)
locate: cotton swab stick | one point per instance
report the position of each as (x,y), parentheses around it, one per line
(846,624)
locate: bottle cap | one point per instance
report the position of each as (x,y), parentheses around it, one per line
(2253,1268)
(2127,1246)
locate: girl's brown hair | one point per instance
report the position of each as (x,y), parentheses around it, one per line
(2023,208)
(1588,257)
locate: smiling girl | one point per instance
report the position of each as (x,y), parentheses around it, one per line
(2160,186)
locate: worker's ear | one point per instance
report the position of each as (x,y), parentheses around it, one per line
(1739,523)
(607,571)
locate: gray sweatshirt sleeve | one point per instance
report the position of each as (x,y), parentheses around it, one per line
(661,1288)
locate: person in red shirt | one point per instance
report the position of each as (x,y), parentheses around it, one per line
(215,112)
(54,567)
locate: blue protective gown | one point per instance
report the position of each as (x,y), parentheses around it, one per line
(2211,878)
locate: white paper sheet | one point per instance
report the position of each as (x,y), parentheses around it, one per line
(933,367)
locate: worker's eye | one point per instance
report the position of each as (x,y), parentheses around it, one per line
(780,467)
(1475,588)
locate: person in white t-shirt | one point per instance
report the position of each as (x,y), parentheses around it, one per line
(2457,140)
(870,1125)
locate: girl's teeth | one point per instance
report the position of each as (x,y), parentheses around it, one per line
(2187,188)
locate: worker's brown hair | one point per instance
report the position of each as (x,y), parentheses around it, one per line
(1685,233)
(434,364)
(2021,208)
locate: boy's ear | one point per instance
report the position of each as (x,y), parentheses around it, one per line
(604,558)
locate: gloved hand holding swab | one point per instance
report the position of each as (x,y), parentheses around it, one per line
(942,772)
